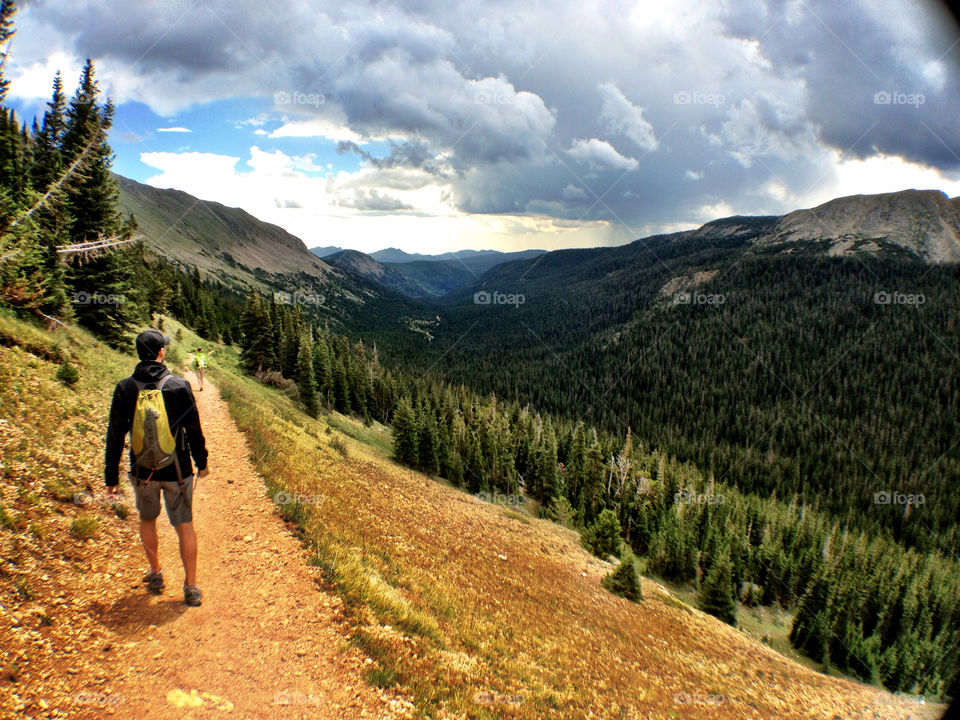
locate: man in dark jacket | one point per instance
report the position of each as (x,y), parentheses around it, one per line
(176,481)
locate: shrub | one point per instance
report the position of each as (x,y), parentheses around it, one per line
(85,526)
(174,356)
(68,374)
(751,594)
(61,490)
(274,378)
(625,580)
(336,442)
(23,588)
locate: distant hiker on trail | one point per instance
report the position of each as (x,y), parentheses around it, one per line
(158,410)
(200,365)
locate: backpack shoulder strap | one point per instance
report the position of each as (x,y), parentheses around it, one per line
(164,381)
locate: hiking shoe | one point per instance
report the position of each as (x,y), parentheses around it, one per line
(154,582)
(192,595)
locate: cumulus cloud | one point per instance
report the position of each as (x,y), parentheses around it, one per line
(371,200)
(317,127)
(622,116)
(572,192)
(600,155)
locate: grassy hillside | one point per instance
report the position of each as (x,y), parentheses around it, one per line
(483,611)
(227,242)
(58,532)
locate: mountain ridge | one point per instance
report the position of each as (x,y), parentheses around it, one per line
(213,236)
(238,247)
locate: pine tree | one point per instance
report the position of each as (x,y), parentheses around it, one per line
(625,580)
(718,594)
(603,537)
(306,382)
(811,624)
(546,475)
(359,380)
(427,441)
(92,194)
(292,332)
(7,10)
(341,392)
(576,465)
(257,343)
(91,198)
(405,434)
(322,369)
(53,217)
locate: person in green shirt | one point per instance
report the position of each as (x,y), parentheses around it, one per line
(200,365)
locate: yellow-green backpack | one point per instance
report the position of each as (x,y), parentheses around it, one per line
(154,446)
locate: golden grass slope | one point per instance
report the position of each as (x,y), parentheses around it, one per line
(60,562)
(481,612)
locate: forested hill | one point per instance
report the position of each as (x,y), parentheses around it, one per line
(834,377)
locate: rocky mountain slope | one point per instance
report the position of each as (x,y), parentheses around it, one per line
(923,223)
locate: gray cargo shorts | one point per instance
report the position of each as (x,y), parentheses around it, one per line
(179,503)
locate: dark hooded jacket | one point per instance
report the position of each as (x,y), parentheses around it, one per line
(181,412)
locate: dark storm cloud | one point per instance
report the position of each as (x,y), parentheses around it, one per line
(640,115)
(881,77)
(414,154)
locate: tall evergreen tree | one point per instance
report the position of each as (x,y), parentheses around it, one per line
(7,10)
(306,382)
(603,537)
(427,443)
(405,445)
(718,593)
(257,351)
(341,390)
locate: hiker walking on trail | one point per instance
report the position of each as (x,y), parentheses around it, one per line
(200,365)
(157,408)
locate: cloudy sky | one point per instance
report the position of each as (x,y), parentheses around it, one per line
(434,125)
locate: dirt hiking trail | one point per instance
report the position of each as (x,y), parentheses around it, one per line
(267,642)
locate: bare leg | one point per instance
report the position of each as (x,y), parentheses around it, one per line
(188,551)
(148,536)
